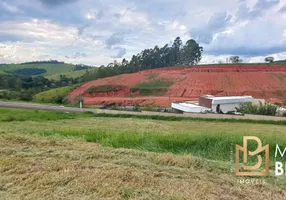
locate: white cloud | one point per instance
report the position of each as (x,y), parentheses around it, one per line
(102,30)
(42,32)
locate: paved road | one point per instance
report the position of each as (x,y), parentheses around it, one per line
(43,107)
(191,115)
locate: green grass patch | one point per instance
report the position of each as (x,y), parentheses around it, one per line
(70,74)
(104,88)
(204,143)
(15,114)
(151,88)
(56,95)
(206,138)
(27,114)
(179,118)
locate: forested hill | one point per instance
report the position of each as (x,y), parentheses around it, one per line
(23,81)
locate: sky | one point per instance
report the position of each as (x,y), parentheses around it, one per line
(97,32)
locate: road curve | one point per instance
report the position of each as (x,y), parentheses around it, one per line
(43,107)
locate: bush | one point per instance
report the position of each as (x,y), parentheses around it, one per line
(137,108)
(11,118)
(261,109)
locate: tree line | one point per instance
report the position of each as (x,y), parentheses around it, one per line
(269,59)
(177,54)
(43,62)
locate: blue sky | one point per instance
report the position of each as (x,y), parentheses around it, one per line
(97,32)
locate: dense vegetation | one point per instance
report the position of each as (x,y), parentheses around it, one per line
(23,81)
(175,55)
(25,87)
(261,109)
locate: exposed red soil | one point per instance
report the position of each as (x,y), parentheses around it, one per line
(259,81)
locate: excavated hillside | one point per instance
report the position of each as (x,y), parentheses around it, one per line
(165,85)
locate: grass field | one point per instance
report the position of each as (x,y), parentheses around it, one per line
(72,74)
(49,95)
(51,155)
(50,68)
(53,71)
(9,115)
(152,87)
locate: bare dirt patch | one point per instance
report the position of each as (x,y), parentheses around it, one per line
(260,81)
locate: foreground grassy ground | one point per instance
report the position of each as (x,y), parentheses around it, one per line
(90,157)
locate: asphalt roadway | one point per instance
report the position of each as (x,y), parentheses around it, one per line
(43,107)
(190,115)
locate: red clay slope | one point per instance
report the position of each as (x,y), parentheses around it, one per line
(259,81)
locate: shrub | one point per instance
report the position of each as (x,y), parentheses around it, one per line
(261,109)
(11,118)
(137,108)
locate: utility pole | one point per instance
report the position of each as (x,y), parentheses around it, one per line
(80,99)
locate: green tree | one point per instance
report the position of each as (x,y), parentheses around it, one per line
(175,55)
(191,53)
(269,59)
(235,59)
(176,52)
